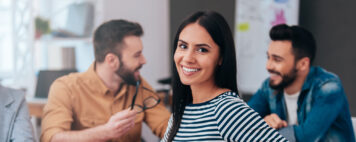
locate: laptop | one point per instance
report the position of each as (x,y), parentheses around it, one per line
(45,80)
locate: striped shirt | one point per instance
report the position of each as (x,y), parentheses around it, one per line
(224,118)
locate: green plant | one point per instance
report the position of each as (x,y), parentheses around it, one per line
(42,25)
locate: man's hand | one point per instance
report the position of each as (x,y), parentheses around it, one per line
(274,121)
(120,123)
(117,126)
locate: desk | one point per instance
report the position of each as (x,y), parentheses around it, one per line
(36,108)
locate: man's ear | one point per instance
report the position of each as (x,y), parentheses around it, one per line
(303,63)
(112,60)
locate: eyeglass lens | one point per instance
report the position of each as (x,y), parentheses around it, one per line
(150,102)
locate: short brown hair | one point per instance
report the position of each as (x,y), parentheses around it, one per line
(110,34)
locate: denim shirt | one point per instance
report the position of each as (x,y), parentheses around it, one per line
(323,111)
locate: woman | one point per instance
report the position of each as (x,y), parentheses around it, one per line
(206,106)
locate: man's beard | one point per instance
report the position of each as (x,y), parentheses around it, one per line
(287,79)
(127,75)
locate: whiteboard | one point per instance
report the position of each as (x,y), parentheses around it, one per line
(254,18)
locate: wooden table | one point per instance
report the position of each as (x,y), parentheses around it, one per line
(36,108)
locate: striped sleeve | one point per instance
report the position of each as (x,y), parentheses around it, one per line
(238,122)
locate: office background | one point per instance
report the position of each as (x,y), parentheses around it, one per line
(332,23)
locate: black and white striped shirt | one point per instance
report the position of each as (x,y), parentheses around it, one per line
(224,118)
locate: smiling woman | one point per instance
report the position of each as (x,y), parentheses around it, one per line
(196,56)
(206,106)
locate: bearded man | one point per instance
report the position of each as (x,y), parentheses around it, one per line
(110,100)
(305,103)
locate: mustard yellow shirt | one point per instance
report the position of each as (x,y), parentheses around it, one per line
(81,100)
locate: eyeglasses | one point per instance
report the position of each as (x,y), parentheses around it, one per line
(148,103)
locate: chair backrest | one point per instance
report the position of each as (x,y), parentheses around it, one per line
(45,80)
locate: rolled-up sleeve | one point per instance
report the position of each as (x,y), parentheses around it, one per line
(57,115)
(157,117)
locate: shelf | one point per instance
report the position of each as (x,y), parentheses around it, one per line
(50,39)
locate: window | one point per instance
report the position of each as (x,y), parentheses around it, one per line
(6,40)
(16,42)
(22,53)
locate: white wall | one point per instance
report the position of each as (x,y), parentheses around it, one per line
(153,15)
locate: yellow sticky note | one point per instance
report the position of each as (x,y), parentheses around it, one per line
(243,27)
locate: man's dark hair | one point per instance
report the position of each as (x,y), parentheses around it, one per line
(110,34)
(303,42)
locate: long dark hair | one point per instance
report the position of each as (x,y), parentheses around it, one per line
(225,74)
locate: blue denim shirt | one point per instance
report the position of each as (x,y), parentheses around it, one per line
(323,111)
